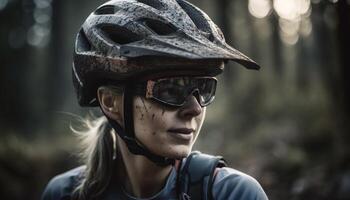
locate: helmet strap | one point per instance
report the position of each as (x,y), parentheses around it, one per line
(128,134)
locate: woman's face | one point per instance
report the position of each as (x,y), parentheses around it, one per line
(166,131)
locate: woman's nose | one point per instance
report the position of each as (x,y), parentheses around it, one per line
(191,108)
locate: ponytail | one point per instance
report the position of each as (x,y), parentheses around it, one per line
(97,154)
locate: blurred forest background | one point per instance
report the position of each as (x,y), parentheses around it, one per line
(287,125)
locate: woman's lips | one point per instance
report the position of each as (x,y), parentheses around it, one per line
(185,131)
(182,134)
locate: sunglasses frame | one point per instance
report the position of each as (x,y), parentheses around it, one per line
(151,83)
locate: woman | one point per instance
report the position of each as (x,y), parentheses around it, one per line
(150,65)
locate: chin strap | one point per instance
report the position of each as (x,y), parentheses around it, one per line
(128,135)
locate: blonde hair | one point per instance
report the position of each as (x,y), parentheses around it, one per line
(97,154)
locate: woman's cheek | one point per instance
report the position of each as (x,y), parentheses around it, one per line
(159,121)
(200,121)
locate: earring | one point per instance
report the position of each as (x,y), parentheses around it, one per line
(114,138)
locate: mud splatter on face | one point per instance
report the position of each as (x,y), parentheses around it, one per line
(144,105)
(138,108)
(152,122)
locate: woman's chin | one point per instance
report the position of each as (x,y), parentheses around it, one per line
(178,152)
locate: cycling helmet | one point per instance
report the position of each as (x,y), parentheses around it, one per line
(125,39)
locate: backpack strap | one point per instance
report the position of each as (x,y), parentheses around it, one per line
(197,176)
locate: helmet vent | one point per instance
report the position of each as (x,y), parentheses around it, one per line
(153,3)
(83,43)
(197,17)
(119,35)
(107,10)
(159,27)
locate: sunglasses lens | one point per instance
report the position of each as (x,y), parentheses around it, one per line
(206,90)
(174,91)
(169,91)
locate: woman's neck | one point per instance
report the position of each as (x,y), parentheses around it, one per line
(139,176)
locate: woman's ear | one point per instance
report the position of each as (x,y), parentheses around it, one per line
(111,103)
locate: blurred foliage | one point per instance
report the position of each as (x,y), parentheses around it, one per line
(287,125)
(26,166)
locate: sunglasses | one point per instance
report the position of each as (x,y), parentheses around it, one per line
(174,91)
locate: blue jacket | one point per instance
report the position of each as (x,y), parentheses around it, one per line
(228,184)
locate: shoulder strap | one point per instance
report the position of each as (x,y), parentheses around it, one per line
(197,175)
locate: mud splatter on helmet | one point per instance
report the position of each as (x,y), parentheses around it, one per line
(125,39)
